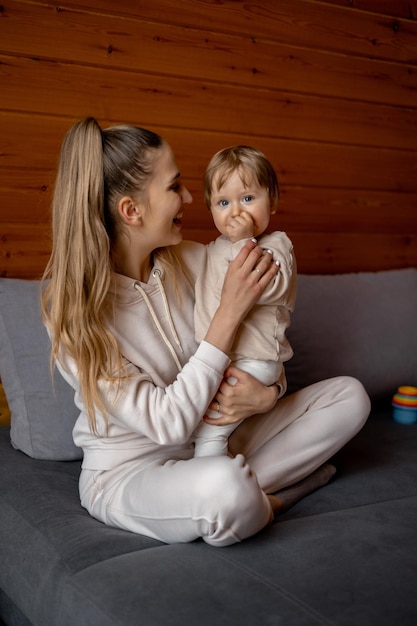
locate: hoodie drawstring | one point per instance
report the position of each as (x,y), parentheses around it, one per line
(157,275)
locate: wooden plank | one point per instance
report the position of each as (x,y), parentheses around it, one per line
(319,253)
(73,90)
(396,8)
(346,210)
(165,49)
(33,141)
(338,252)
(4,408)
(25,194)
(25,250)
(302,23)
(24,200)
(306,163)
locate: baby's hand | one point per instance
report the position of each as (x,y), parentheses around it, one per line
(240,227)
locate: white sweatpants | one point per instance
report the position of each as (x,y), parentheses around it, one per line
(221,499)
(212,440)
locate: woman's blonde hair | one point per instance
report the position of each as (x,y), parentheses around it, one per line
(96,168)
(243,159)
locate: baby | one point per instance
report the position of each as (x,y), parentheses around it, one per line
(241,191)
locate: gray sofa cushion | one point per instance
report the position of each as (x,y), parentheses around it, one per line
(344,555)
(363,325)
(43,410)
(353,539)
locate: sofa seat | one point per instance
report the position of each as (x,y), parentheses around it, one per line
(347,554)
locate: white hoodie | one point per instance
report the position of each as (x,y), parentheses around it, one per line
(157,409)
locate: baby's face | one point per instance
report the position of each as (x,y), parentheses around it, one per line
(240,208)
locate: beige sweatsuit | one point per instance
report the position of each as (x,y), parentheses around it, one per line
(260,347)
(139,473)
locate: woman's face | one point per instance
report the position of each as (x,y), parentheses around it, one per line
(163,203)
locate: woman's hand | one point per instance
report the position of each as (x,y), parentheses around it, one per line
(245,281)
(247,277)
(247,397)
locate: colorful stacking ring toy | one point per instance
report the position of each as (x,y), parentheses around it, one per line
(404,403)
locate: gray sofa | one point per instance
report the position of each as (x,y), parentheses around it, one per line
(346,554)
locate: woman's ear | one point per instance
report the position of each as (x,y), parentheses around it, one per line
(129,211)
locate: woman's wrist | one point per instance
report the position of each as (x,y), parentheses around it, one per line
(222,330)
(272,398)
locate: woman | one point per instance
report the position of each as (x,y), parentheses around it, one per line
(119,308)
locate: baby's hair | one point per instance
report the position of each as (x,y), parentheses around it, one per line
(243,159)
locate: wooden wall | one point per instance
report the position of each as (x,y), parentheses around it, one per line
(328,89)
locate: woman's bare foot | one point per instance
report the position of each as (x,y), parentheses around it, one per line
(286,498)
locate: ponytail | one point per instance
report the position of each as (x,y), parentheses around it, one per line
(97,167)
(79,269)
